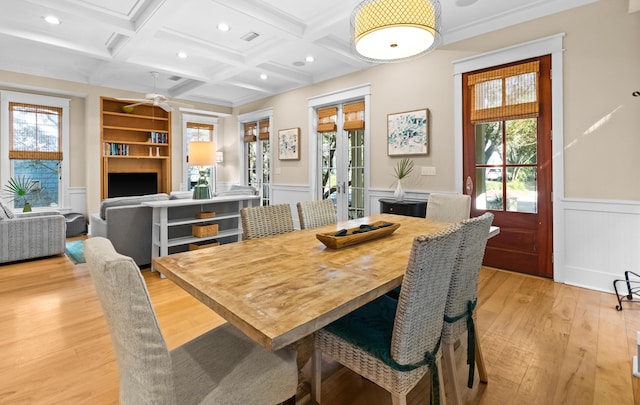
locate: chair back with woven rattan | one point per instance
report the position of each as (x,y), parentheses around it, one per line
(419,317)
(463,289)
(261,221)
(316,213)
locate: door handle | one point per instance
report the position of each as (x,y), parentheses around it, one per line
(469,186)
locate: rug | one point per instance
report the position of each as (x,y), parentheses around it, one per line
(75,251)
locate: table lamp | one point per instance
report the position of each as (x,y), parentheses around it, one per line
(202,153)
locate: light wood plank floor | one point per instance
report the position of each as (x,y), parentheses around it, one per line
(544,343)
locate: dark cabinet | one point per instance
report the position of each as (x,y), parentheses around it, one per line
(410,208)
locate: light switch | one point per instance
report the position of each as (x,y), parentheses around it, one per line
(428,171)
(277,170)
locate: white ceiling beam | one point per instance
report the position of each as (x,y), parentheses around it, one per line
(265,13)
(117,24)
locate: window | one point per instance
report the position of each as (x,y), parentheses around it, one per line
(34,138)
(504,111)
(255,134)
(199,128)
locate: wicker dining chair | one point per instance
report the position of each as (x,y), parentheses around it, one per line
(459,314)
(222,366)
(267,220)
(316,213)
(394,343)
(448,207)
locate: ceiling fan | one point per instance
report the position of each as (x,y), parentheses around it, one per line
(156,99)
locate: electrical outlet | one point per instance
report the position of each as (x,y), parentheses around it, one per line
(428,171)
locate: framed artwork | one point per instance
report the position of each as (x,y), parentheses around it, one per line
(407,133)
(289,144)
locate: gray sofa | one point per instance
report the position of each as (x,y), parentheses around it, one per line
(30,235)
(127,224)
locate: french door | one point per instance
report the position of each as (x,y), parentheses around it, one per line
(342,159)
(507,161)
(257,152)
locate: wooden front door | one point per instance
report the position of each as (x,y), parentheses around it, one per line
(507,161)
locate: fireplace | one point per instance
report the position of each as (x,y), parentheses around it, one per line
(131,184)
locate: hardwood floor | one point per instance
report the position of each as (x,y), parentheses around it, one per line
(543,342)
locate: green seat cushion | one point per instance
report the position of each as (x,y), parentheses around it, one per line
(370,328)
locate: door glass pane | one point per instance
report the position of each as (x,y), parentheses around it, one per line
(45,174)
(329,180)
(356,174)
(521,140)
(266,172)
(488,143)
(488,189)
(252,177)
(522,193)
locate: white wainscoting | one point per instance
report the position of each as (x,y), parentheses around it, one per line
(601,240)
(77,200)
(290,194)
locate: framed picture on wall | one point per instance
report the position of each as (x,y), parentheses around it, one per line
(289,144)
(407,133)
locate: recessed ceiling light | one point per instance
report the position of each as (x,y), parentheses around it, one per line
(309,58)
(264,76)
(223,27)
(182,55)
(51,19)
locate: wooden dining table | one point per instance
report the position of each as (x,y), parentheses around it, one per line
(279,289)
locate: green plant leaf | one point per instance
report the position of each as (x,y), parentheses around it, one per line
(19,187)
(403,168)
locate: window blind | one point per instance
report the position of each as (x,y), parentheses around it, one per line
(250,131)
(327,119)
(503,94)
(200,131)
(35,132)
(354,116)
(263,133)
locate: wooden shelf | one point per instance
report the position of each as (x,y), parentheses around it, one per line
(134,130)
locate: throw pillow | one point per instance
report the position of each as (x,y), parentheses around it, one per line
(8,212)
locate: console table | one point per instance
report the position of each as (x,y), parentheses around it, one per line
(411,208)
(173,220)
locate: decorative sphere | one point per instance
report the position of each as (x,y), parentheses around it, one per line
(127,109)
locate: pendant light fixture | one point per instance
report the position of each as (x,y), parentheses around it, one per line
(395,30)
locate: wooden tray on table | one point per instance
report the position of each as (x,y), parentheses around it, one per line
(352,236)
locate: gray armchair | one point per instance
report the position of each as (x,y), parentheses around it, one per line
(31,235)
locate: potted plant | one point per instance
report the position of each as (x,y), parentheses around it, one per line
(19,189)
(401,170)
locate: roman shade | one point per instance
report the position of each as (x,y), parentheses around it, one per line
(502,94)
(327,119)
(263,134)
(35,132)
(250,131)
(354,116)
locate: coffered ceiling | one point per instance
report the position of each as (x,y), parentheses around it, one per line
(117,43)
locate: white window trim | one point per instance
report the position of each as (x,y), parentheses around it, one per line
(339,97)
(185,166)
(549,45)
(5,165)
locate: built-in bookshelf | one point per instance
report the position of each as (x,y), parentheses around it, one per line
(135,140)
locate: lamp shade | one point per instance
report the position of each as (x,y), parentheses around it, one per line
(395,30)
(202,153)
